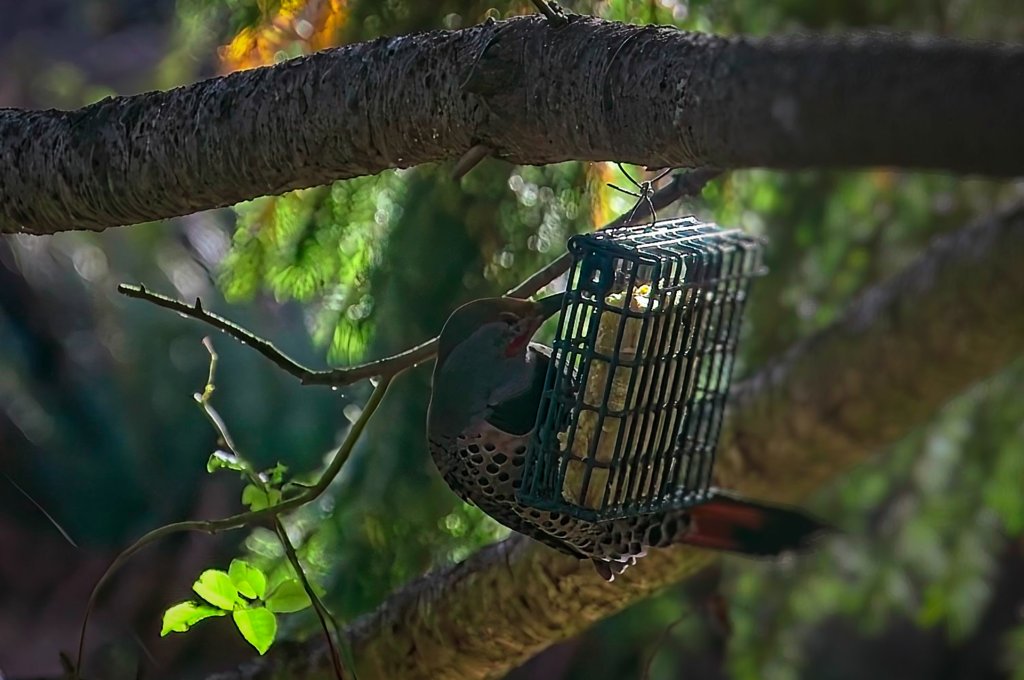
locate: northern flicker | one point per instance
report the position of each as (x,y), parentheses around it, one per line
(486,391)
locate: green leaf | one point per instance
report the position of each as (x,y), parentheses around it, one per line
(249,580)
(258,499)
(257,625)
(255,497)
(275,475)
(215,587)
(182,616)
(222,460)
(287,597)
(281,573)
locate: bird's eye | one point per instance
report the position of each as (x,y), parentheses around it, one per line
(509,318)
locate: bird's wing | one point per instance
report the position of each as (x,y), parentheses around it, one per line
(518,415)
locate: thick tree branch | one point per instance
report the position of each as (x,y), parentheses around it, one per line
(534,94)
(899,353)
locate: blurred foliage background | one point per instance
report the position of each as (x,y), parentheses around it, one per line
(98,426)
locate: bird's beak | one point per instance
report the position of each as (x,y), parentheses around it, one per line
(549,306)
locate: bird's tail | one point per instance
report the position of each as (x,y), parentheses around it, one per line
(734,524)
(729,523)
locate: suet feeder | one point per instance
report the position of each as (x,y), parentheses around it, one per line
(642,360)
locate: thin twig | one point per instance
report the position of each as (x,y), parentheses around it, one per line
(646,674)
(204,399)
(196,311)
(681,186)
(210,377)
(554,16)
(54,522)
(470,160)
(318,606)
(243,519)
(342,376)
(542,277)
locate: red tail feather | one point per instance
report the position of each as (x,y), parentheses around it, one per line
(742,526)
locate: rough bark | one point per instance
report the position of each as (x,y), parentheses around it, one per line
(899,353)
(590,90)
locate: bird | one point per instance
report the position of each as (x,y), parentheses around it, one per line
(486,390)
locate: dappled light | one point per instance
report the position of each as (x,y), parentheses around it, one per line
(877,382)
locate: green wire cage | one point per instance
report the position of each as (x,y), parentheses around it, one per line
(642,360)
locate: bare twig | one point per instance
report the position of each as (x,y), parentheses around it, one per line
(343,376)
(196,311)
(322,613)
(470,160)
(681,186)
(203,399)
(554,15)
(541,277)
(657,646)
(33,501)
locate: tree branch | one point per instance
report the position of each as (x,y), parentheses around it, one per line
(682,185)
(387,367)
(900,352)
(534,94)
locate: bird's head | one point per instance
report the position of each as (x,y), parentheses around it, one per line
(495,328)
(482,359)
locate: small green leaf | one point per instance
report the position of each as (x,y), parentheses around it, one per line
(257,625)
(249,580)
(222,460)
(182,616)
(275,475)
(215,587)
(287,597)
(258,499)
(255,497)
(281,573)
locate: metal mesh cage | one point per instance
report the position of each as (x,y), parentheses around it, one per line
(641,365)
